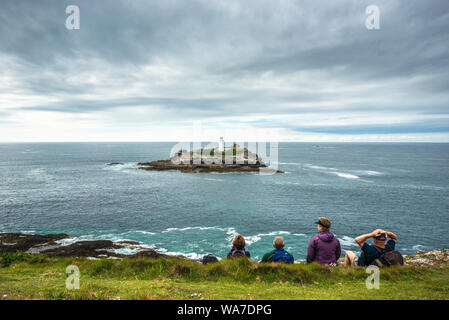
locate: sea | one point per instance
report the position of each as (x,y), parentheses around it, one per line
(70,188)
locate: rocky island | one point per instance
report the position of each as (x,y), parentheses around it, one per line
(213,160)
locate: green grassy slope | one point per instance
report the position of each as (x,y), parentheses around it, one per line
(39,277)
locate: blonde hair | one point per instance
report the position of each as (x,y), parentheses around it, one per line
(239,242)
(278,243)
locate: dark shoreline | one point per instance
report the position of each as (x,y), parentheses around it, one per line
(51,246)
(166,165)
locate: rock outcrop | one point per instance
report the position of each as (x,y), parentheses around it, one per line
(163,165)
(233,159)
(434,259)
(12,242)
(53,246)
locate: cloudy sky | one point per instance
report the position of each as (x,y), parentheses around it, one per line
(297,70)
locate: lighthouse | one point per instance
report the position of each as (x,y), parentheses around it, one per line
(221,145)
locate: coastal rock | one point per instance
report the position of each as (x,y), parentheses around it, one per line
(434,259)
(12,242)
(50,245)
(93,248)
(232,159)
(162,165)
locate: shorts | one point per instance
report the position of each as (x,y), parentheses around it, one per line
(354,259)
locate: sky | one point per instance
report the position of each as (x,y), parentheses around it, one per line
(246,70)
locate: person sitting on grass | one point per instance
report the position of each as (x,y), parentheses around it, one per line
(371,252)
(238,249)
(324,248)
(278,254)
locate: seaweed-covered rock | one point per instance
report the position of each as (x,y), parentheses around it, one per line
(12,242)
(50,245)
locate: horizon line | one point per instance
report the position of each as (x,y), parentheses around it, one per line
(206,141)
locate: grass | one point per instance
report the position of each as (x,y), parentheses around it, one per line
(25,276)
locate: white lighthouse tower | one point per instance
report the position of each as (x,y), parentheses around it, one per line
(221,145)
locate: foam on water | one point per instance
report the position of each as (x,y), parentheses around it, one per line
(212,179)
(40,175)
(345,175)
(347,241)
(85,197)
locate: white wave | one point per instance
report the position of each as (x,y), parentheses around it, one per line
(312,166)
(30,151)
(412,186)
(419,247)
(40,175)
(127,251)
(299,234)
(231,232)
(290,163)
(190,228)
(316,167)
(191,255)
(347,241)
(121,167)
(212,179)
(345,175)
(285,183)
(249,240)
(71,240)
(273,233)
(28,231)
(143,232)
(369,172)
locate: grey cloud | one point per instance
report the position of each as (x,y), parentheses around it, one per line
(218,44)
(425,126)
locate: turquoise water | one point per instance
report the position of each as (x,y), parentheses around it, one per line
(68,187)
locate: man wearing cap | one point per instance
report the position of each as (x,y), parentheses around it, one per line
(371,252)
(324,248)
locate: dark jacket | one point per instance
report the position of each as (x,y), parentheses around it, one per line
(324,248)
(243,252)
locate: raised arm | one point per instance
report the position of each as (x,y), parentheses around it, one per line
(361,239)
(391,235)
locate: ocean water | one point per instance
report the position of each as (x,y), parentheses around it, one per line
(68,187)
